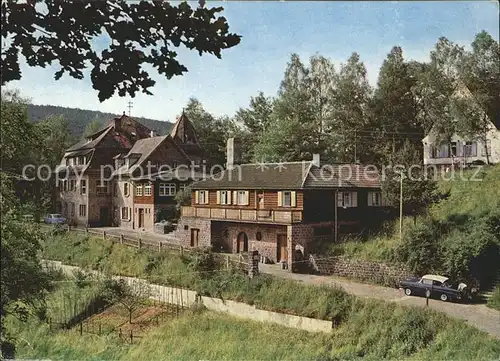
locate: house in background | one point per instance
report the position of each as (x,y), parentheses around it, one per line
(461,152)
(184,135)
(282,210)
(83,199)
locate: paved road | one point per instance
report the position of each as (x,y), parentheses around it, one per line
(479,316)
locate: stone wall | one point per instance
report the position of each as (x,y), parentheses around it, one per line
(367,271)
(183,231)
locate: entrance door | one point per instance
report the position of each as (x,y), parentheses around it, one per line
(104,216)
(242,242)
(282,248)
(141,217)
(194,237)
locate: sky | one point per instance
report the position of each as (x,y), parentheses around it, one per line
(271,31)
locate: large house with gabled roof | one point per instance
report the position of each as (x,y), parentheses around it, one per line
(280,209)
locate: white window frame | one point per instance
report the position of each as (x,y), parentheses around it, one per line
(126,189)
(225,197)
(182,186)
(147,190)
(488,148)
(374,199)
(125,214)
(102,188)
(83,186)
(138,190)
(287,195)
(242,198)
(167,189)
(84,208)
(201,197)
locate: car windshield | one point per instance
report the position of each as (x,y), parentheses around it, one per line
(56,216)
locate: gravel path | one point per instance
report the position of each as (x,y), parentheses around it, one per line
(477,315)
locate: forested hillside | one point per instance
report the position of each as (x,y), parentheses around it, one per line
(78,119)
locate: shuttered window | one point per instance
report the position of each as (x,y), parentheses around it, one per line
(243,198)
(224,197)
(287,199)
(374,199)
(201,197)
(347,199)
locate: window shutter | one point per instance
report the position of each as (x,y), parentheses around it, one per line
(370,199)
(474,149)
(235,197)
(218,197)
(228,197)
(280,199)
(197,197)
(293,197)
(206,197)
(354,199)
(247,197)
(340,199)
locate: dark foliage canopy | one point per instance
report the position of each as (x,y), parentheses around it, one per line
(141,35)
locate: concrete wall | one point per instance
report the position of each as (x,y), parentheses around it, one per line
(188,298)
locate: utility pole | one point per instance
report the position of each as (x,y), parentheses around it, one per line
(401,206)
(129,106)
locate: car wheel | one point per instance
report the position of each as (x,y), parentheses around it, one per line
(407,291)
(444,297)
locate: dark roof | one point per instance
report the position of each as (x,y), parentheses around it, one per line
(180,173)
(292,175)
(183,131)
(85,144)
(343,176)
(288,175)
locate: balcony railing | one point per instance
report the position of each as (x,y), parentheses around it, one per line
(248,215)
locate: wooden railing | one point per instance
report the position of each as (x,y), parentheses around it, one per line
(238,214)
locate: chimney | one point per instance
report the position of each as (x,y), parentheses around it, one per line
(316,160)
(233,152)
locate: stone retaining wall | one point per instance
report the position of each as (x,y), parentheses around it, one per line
(375,272)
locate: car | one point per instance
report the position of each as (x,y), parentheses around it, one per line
(54,218)
(435,286)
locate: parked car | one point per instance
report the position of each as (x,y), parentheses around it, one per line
(54,218)
(439,287)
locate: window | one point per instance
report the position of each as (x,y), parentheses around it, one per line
(443,151)
(72,185)
(65,183)
(453,148)
(347,199)
(242,198)
(83,210)
(125,213)
(138,190)
(426,281)
(182,186)
(167,189)
(374,199)
(287,199)
(201,197)
(102,187)
(147,189)
(126,189)
(83,186)
(224,197)
(470,149)
(437,283)
(72,208)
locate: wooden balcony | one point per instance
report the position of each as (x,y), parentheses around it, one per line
(244,215)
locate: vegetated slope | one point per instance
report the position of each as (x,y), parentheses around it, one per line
(78,119)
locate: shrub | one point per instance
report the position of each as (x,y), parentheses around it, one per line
(494,301)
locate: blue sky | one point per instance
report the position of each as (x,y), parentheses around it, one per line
(271,32)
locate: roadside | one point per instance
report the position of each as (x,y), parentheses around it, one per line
(479,316)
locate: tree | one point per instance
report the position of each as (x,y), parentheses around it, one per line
(56,137)
(131,297)
(93,127)
(142,35)
(350,102)
(418,190)
(212,132)
(23,282)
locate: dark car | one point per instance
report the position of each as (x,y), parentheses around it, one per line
(439,287)
(54,218)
